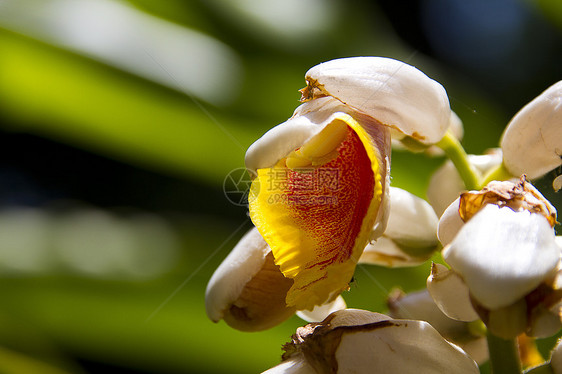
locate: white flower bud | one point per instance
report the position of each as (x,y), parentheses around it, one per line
(396,94)
(502,255)
(519,196)
(532,141)
(421,306)
(410,236)
(450,293)
(358,341)
(450,223)
(248,290)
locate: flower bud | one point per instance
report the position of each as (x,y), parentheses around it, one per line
(532,141)
(519,196)
(410,236)
(450,293)
(502,255)
(248,290)
(357,341)
(420,306)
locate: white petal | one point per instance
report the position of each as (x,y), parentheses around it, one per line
(322,311)
(544,323)
(309,119)
(532,141)
(502,255)
(421,306)
(394,93)
(410,236)
(226,284)
(386,252)
(446,184)
(450,294)
(295,365)
(412,221)
(455,126)
(400,346)
(450,223)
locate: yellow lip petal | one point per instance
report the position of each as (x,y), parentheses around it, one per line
(316,209)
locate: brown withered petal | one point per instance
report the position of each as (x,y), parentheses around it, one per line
(517,196)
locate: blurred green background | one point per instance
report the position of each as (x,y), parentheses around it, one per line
(120,120)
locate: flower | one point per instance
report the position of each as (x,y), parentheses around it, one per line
(358,341)
(248,290)
(532,141)
(420,306)
(410,236)
(504,260)
(321,186)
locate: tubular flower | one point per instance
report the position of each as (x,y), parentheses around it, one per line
(358,341)
(504,259)
(321,186)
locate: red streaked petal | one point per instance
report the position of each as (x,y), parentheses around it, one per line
(317,217)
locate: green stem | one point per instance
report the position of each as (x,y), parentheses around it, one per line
(504,356)
(499,173)
(454,150)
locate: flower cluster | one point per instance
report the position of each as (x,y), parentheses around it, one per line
(321,203)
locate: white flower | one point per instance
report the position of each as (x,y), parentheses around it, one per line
(410,236)
(501,247)
(421,306)
(502,255)
(247,290)
(358,341)
(341,132)
(532,141)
